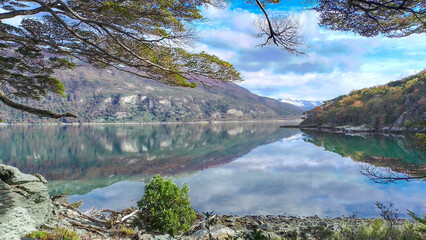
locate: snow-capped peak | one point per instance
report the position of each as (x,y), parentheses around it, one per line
(302,104)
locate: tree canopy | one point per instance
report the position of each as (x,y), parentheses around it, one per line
(390,18)
(146,38)
(149,38)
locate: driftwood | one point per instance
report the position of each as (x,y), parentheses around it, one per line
(129,215)
(90,228)
(99,221)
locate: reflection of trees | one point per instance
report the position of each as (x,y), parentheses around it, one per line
(107,151)
(418,140)
(386,175)
(387,157)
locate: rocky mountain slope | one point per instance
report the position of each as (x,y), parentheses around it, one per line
(398,105)
(104,95)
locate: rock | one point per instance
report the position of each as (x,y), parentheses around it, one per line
(147,236)
(217,231)
(24,203)
(264,227)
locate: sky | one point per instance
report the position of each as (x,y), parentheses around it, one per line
(336,62)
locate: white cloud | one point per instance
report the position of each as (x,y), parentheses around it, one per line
(223,54)
(309,22)
(268,78)
(213,13)
(242,20)
(231,38)
(312,86)
(336,62)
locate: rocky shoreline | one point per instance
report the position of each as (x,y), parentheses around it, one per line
(25,208)
(291,121)
(356,129)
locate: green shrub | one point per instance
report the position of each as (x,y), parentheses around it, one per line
(65,234)
(378,229)
(385,228)
(127,231)
(165,207)
(39,235)
(318,232)
(77,204)
(57,234)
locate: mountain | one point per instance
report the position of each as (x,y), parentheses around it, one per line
(302,104)
(108,95)
(398,105)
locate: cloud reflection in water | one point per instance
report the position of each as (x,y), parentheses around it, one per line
(289,177)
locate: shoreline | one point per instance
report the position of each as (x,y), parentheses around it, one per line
(296,120)
(347,129)
(94,225)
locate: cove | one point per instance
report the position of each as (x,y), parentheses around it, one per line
(230,168)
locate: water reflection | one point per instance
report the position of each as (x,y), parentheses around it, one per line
(78,159)
(250,168)
(290,176)
(396,152)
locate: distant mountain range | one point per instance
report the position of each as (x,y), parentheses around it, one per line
(108,95)
(302,104)
(396,106)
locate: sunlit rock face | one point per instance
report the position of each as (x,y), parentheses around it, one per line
(24,202)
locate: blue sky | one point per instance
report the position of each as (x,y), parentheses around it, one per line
(336,62)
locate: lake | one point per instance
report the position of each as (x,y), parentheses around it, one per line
(230,168)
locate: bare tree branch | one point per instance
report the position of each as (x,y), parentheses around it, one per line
(385,175)
(282,31)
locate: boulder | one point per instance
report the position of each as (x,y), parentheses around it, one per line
(217,231)
(24,202)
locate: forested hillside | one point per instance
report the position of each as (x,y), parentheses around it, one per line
(398,105)
(105,95)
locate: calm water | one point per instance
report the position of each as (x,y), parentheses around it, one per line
(232,168)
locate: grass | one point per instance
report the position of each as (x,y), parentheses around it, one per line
(57,234)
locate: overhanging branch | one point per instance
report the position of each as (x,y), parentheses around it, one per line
(40,112)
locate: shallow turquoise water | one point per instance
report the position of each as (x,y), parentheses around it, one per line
(232,168)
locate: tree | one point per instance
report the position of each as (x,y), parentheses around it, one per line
(143,37)
(165,207)
(282,31)
(391,18)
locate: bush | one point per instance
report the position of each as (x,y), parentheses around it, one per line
(378,229)
(165,207)
(58,233)
(385,228)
